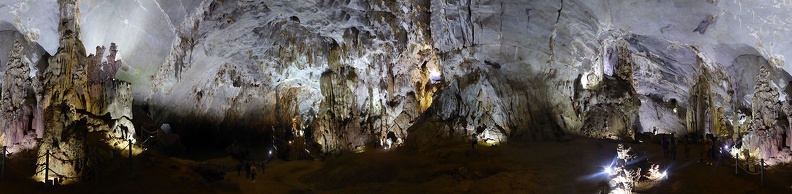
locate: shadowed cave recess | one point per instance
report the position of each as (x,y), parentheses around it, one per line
(202,86)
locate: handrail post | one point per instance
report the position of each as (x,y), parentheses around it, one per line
(96,165)
(4,162)
(736,162)
(130,156)
(46,167)
(761,167)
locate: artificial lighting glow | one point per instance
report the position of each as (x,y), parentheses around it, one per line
(608,170)
(675,110)
(733,151)
(434,77)
(360,149)
(590,80)
(665,173)
(488,138)
(123,144)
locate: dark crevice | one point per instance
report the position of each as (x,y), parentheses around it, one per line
(472,27)
(552,36)
(559,11)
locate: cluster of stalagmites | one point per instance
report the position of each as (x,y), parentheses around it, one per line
(99,70)
(74,97)
(18,103)
(610,108)
(625,173)
(768,138)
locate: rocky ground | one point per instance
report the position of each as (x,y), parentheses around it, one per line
(573,165)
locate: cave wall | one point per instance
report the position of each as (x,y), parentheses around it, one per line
(338,75)
(345,74)
(499,69)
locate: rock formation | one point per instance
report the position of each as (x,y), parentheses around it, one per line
(427,70)
(767,137)
(99,70)
(77,105)
(765,104)
(17,101)
(342,75)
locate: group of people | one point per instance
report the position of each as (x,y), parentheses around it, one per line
(669,143)
(710,152)
(250,169)
(710,149)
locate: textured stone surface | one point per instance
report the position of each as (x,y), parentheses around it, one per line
(767,137)
(17,106)
(766,104)
(78,101)
(506,68)
(344,74)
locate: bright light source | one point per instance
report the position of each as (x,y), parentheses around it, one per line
(434,76)
(664,174)
(608,170)
(675,110)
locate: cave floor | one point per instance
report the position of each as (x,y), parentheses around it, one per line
(571,166)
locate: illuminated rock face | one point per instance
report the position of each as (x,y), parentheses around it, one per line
(76,104)
(17,107)
(348,73)
(767,137)
(343,78)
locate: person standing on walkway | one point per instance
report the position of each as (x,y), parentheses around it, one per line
(253,172)
(707,149)
(474,142)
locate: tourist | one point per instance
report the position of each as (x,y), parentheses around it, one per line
(475,141)
(253,172)
(707,146)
